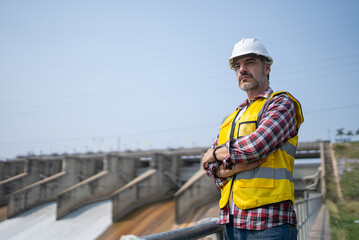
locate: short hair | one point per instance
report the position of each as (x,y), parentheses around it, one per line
(265,62)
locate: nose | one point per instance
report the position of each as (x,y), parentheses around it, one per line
(242,69)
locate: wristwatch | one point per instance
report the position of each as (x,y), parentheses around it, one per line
(214,152)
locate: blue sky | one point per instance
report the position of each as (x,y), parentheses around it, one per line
(78,76)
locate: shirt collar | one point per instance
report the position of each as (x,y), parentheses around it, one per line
(264,94)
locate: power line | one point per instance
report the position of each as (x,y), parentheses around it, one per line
(168,83)
(331,108)
(101,101)
(175,73)
(112,136)
(45,101)
(209,52)
(279,43)
(158,131)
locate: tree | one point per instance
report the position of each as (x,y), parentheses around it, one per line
(350,133)
(340,132)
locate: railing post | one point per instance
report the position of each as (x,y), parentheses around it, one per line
(306,209)
(306,197)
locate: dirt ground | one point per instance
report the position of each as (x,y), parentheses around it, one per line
(3,213)
(155,218)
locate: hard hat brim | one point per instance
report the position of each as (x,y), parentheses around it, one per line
(233,60)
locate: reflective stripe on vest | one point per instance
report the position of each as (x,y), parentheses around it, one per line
(263,172)
(289,148)
(273,180)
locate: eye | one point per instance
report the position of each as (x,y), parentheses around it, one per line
(237,67)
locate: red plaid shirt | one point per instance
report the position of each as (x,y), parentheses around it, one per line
(276,126)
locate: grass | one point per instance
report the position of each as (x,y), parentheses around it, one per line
(343,214)
(342,219)
(350,183)
(337,230)
(346,150)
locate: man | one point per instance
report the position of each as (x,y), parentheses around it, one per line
(252,158)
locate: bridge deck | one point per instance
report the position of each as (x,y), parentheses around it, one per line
(321,228)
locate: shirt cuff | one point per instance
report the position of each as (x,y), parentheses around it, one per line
(211,169)
(227,162)
(211,172)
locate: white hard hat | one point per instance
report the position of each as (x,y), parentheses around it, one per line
(248,46)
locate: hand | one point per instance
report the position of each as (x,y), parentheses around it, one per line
(208,158)
(239,167)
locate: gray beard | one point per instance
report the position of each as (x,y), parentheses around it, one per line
(252,86)
(249,87)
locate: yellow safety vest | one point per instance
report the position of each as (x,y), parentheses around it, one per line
(272,182)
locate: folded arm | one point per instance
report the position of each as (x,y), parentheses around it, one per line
(237,168)
(276,126)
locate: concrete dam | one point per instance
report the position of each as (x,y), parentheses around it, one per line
(108,195)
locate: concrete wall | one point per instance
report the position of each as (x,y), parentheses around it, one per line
(308,150)
(10,169)
(153,185)
(73,171)
(116,173)
(323,187)
(34,170)
(87,178)
(305,169)
(199,190)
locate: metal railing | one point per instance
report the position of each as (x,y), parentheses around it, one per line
(204,228)
(306,210)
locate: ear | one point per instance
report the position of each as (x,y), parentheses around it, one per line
(267,69)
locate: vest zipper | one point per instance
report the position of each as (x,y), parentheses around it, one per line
(233,125)
(230,137)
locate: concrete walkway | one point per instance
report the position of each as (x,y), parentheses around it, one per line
(40,223)
(321,229)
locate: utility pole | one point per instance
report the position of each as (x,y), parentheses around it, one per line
(118,143)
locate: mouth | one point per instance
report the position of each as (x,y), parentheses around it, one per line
(244,78)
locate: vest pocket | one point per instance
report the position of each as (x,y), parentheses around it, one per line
(246,128)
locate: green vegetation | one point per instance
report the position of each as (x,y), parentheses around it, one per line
(341,133)
(338,231)
(331,194)
(350,183)
(342,219)
(343,214)
(347,150)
